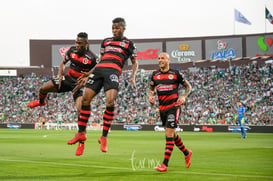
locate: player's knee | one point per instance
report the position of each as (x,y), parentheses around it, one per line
(110,103)
(43,90)
(85,101)
(169,132)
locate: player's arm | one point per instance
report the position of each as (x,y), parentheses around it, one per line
(61,71)
(134,71)
(151,96)
(188,88)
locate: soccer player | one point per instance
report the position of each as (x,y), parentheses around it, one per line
(82,63)
(166,81)
(241,120)
(114,53)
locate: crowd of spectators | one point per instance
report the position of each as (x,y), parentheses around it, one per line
(212,101)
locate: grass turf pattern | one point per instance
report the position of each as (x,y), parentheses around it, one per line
(132,155)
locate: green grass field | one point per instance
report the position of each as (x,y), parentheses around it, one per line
(44,155)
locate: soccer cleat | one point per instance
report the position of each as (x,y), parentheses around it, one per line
(162,168)
(78,137)
(103,143)
(35,103)
(79,150)
(188,159)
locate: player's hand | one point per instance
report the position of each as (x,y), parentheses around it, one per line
(81,81)
(133,81)
(84,75)
(152,100)
(181,100)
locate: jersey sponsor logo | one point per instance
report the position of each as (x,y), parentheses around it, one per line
(165,87)
(114,49)
(113,78)
(117,43)
(165,76)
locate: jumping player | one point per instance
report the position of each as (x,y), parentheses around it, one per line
(82,62)
(114,53)
(166,81)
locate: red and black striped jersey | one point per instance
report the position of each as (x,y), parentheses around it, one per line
(166,85)
(79,63)
(114,53)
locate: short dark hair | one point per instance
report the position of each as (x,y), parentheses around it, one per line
(120,20)
(82,35)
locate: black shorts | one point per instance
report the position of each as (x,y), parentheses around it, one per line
(68,84)
(103,77)
(170,117)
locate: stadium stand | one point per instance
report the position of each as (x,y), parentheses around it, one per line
(212,101)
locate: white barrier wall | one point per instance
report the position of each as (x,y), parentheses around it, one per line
(66,126)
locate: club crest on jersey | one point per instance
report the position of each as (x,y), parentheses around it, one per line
(158,77)
(85,61)
(114,78)
(170,76)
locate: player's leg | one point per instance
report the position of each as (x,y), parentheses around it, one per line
(78,100)
(43,92)
(169,145)
(92,87)
(168,121)
(108,117)
(84,115)
(243,132)
(180,145)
